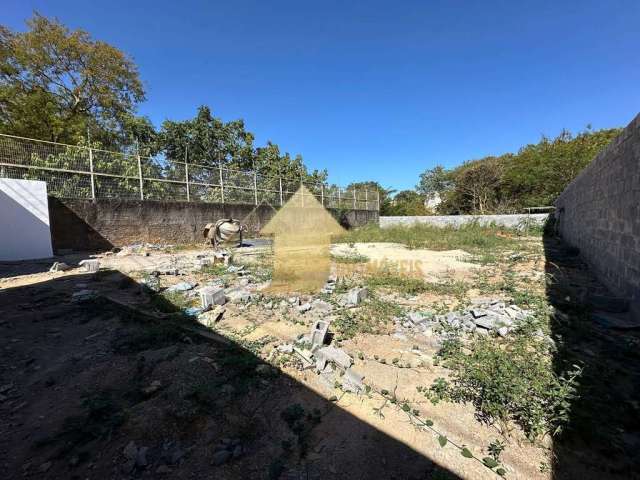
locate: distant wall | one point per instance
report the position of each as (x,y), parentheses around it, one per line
(24,220)
(105,223)
(510,221)
(599,212)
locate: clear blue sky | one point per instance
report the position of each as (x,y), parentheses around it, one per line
(377,90)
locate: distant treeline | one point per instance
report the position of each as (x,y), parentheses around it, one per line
(509,183)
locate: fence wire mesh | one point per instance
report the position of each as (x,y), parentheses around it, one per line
(77,171)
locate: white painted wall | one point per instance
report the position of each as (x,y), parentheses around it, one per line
(24,220)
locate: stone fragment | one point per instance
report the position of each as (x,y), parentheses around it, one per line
(180,287)
(90,265)
(334,355)
(319,332)
(321,306)
(83,296)
(238,295)
(130,452)
(352,381)
(503,331)
(486,322)
(59,267)
(305,307)
(210,296)
(354,297)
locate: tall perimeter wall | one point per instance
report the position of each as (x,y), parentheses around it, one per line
(599,212)
(104,223)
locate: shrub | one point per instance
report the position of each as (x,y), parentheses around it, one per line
(513,380)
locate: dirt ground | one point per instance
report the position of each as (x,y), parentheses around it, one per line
(121,384)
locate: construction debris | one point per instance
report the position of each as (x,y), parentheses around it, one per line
(353,297)
(210,296)
(90,265)
(59,267)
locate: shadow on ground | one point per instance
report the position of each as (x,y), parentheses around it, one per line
(121,384)
(602,437)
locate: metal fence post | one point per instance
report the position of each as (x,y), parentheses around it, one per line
(280,183)
(186,170)
(322,193)
(255,187)
(366,199)
(140,175)
(221,182)
(93,178)
(339,199)
(378,202)
(354,198)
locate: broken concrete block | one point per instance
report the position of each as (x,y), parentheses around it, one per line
(59,267)
(180,287)
(486,322)
(352,381)
(90,265)
(335,355)
(354,297)
(210,296)
(319,332)
(321,306)
(238,295)
(503,331)
(478,313)
(83,295)
(294,300)
(305,307)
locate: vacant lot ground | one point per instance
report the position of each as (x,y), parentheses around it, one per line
(478,349)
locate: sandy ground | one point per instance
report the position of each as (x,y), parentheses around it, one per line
(45,335)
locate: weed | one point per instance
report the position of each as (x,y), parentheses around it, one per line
(472,237)
(350,258)
(512,380)
(495,449)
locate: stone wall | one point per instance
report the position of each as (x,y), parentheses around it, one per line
(510,221)
(103,224)
(599,212)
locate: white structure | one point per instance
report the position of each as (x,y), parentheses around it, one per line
(24,220)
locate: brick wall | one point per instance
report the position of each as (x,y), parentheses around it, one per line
(599,212)
(103,224)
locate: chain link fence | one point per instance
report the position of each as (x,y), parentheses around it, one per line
(73,171)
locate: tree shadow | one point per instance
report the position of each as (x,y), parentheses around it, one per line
(103,378)
(602,436)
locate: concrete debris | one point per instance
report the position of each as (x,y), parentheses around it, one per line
(193,311)
(285,348)
(59,267)
(305,307)
(353,297)
(319,332)
(486,315)
(235,268)
(83,295)
(352,381)
(321,306)
(209,319)
(334,355)
(294,300)
(210,296)
(90,265)
(238,295)
(180,287)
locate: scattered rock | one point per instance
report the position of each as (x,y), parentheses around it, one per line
(238,295)
(180,287)
(305,307)
(220,457)
(91,265)
(354,297)
(210,296)
(45,467)
(59,267)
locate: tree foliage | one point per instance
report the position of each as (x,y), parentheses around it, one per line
(532,177)
(58,84)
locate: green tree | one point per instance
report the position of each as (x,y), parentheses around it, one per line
(408,202)
(434,181)
(59,84)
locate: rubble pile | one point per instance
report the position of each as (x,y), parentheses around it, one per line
(484,316)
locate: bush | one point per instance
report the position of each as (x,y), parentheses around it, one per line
(512,380)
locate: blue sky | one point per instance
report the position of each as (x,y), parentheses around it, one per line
(377,90)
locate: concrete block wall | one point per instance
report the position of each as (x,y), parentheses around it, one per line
(509,221)
(103,224)
(599,212)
